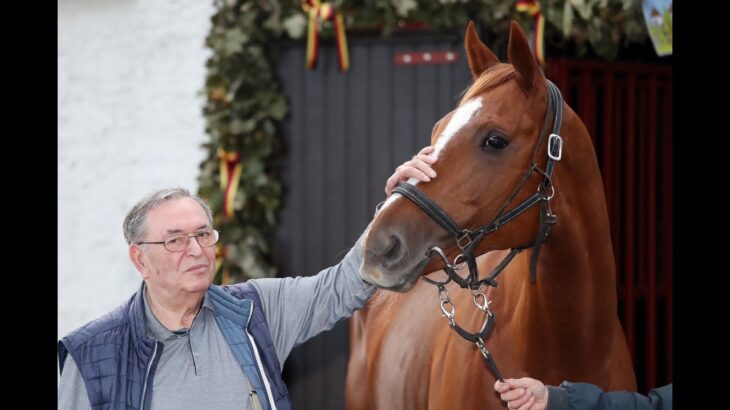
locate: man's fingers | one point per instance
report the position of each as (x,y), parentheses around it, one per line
(423,166)
(511,395)
(501,387)
(403,174)
(414,173)
(426,150)
(392,182)
(425,155)
(529,404)
(519,400)
(429,159)
(522,382)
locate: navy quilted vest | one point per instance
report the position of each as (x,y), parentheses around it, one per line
(117,360)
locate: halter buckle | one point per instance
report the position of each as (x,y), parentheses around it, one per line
(467,236)
(552,140)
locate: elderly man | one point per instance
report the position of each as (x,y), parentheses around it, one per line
(182,343)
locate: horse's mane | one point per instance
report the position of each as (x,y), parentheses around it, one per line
(496,75)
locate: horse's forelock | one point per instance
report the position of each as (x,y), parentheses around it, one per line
(495,76)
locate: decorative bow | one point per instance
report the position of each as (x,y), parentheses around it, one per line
(230,170)
(318,12)
(532,7)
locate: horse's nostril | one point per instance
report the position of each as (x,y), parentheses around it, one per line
(393,248)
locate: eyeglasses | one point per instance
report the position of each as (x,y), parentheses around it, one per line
(179,242)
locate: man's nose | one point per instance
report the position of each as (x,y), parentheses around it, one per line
(193,246)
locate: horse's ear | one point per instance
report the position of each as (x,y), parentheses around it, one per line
(521,57)
(480,56)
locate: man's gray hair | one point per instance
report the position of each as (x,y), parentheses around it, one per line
(134,223)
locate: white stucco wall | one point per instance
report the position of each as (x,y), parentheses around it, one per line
(129,121)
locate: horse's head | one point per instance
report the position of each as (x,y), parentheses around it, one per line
(484,148)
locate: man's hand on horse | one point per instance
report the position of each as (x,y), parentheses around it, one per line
(523,394)
(418,167)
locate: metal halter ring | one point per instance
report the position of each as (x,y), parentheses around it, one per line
(448,314)
(444,294)
(552,192)
(484,307)
(441,254)
(459,265)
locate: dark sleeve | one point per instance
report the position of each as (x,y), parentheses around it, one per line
(585,396)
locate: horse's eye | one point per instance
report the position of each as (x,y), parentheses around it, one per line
(494,141)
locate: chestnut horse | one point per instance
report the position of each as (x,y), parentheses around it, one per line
(517,185)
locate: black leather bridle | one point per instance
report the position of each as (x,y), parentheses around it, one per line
(468,239)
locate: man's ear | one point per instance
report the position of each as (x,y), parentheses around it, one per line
(137,257)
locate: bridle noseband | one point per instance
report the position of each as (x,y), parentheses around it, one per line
(468,239)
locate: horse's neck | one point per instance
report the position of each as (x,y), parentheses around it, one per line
(576,268)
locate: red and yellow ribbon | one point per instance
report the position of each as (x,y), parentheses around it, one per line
(532,7)
(230,170)
(220,255)
(318,12)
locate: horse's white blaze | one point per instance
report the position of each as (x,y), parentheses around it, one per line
(461,117)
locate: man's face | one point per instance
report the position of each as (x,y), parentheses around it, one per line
(175,273)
